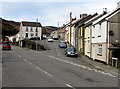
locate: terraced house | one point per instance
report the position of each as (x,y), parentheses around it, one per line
(97,36)
(105,34)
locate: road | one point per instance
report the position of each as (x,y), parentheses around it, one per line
(23,67)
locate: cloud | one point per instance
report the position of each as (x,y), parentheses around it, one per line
(61,1)
(50,13)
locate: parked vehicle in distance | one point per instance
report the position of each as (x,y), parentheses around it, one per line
(6,46)
(50,39)
(55,37)
(70,51)
(44,36)
(63,44)
(35,38)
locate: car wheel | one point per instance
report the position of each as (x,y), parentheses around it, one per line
(67,55)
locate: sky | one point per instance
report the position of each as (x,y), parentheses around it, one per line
(52,12)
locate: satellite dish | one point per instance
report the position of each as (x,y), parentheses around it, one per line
(111,33)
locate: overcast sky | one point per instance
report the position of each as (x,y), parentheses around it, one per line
(49,13)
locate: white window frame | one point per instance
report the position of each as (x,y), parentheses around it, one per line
(100,50)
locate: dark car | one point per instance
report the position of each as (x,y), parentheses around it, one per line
(6,46)
(70,51)
(63,44)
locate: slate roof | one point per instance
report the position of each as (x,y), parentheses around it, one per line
(89,22)
(106,16)
(32,24)
(82,20)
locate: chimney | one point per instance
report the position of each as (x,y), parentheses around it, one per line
(83,15)
(104,10)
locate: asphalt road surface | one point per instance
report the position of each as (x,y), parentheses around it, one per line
(51,68)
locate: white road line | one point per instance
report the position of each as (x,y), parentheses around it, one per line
(44,71)
(58,52)
(70,86)
(39,68)
(105,69)
(19,56)
(82,66)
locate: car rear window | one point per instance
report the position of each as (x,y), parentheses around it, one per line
(6,44)
(63,42)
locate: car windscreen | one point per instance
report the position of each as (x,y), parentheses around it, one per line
(71,49)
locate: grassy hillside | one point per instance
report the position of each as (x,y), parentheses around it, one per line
(9,28)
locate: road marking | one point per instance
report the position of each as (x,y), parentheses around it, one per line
(39,68)
(19,56)
(82,66)
(72,63)
(70,86)
(58,52)
(44,71)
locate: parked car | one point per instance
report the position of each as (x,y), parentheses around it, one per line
(70,51)
(63,44)
(6,46)
(55,37)
(35,38)
(50,39)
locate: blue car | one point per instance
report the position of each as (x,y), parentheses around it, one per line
(63,44)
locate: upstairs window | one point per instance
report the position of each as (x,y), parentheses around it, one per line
(100,30)
(26,29)
(31,29)
(36,29)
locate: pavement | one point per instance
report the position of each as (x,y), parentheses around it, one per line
(99,65)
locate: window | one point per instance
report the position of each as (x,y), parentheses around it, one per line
(26,35)
(93,31)
(100,50)
(88,46)
(26,29)
(36,34)
(31,29)
(100,30)
(36,29)
(32,34)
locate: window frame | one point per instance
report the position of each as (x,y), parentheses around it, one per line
(99,50)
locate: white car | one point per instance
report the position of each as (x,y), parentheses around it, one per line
(50,39)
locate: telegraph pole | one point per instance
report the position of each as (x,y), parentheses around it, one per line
(70,25)
(58,31)
(36,31)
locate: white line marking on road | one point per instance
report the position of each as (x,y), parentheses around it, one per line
(82,66)
(19,56)
(58,52)
(43,71)
(39,68)
(70,86)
